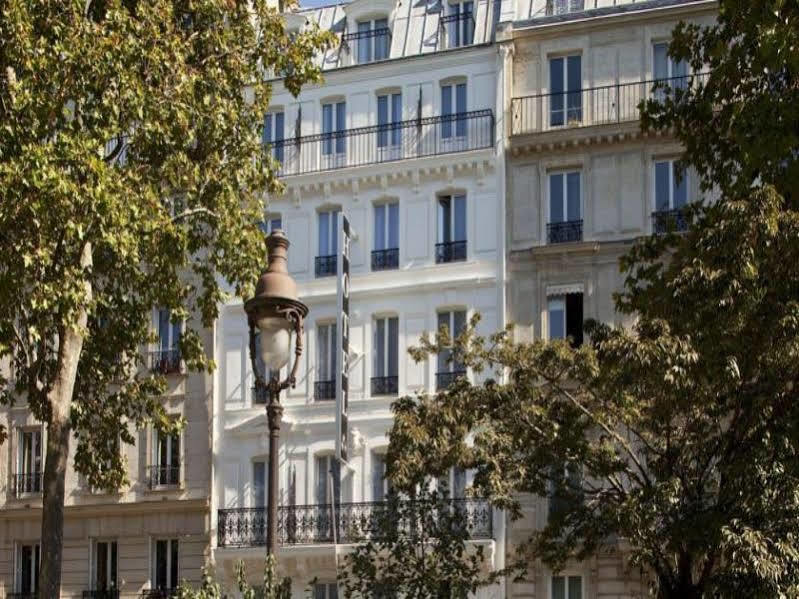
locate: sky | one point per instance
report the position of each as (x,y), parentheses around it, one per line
(314,3)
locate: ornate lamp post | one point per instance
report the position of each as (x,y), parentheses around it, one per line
(273,314)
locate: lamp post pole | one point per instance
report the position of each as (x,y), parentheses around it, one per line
(273,314)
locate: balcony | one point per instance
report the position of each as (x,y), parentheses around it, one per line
(565,232)
(450,251)
(326,266)
(164,361)
(602,105)
(666,221)
(446,378)
(376,144)
(385,259)
(313,524)
(158,593)
(324,390)
(28,483)
(385,385)
(111,594)
(164,476)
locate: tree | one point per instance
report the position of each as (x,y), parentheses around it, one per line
(678,436)
(131,177)
(273,586)
(417,547)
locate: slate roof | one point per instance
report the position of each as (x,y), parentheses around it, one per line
(533,12)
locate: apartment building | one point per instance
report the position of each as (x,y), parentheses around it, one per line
(139,541)
(401,138)
(582,183)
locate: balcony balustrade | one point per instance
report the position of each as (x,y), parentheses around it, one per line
(326,266)
(565,232)
(164,476)
(313,524)
(665,221)
(590,106)
(27,483)
(109,594)
(385,259)
(450,251)
(165,361)
(324,390)
(371,45)
(385,385)
(446,378)
(403,140)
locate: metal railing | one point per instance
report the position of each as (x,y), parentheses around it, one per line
(665,221)
(562,7)
(377,42)
(446,378)
(385,259)
(313,524)
(565,232)
(457,34)
(164,476)
(450,251)
(403,140)
(326,266)
(165,361)
(158,593)
(27,483)
(324,390)
(109,594)
(23,595)
(385,385)
(590,106)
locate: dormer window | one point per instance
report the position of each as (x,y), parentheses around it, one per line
(371,41)
(459,24)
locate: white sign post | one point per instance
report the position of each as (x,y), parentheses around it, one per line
(343,341)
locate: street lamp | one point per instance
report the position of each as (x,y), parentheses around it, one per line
(276,312)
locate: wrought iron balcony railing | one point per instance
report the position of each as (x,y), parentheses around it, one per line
(385,385)
(403,140)
(562,7)
(385,259)
(27,483)
(23,596)
(326,266)
(164,476)
(324,390)
(665,221)
(109,594)
(158,593)
(446,378)
(165,361)
(591,106)
(565,232)
(313,524)
(459,28)
(450,251)
(370,46)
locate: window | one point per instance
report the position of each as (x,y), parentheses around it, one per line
(386,251)
(665,67)
(671,189)
(326,261)
(565,317)
(166,459)
(271,224)
(386,356)
(564,489)
(28,562)
(562,7)
(274,132)
(451,246)
(29,465)
(565,86)
(389,119)
(380,484)
(461,24)
(325,590)
(166,359)
(334,121)
(449,369)
(565,214)
(454,481)
(327,467)
(453,111)
(567,587)
(165,565)
(259,470)
(325,385)
(373,40)
(104,565)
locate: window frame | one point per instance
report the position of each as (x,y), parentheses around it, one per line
(331,328)
(386,208)
(277,142)
(112,564)
(454,125)
(334,466)
(672,178)
(267,225)
(562,297)
(36,566)
(389,133)
(332,231)
(567,92)
(370,42)
(386,349)
(565,172)
(170,459)
(334,143)
(450,365)
(461,26)
(262,461)
(171,584)
(566,576)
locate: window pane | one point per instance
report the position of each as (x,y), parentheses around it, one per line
(680,188)
(279,135)
(324,233)
(575,96)
(267,135)
(380,343)
(26,568)
(396,117)
(323,352)
(460,219)
(446,109)
(558,587)
(319,591)
(321,480)
(662,186)
(444,220)
(381,40)
(332,591)
(660,61)
(443,356)
(378,472)
(333,351)
(458,482)
(164,329)
(380,227)
(113,581)
(101,564)
(341,123)
(173,571)
(259,484)
(556,198)
(557,318)
(575,587)
(393,346)
(556,87)
(468,24)
(160,565)
(574,318)
(364,43)
(393,225)
(333,232)
(327,127)
(382,121)
(460,107)
(573,196)
(174,454)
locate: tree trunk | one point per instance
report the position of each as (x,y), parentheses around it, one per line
(58,432)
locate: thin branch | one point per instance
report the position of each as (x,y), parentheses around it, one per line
(194,212)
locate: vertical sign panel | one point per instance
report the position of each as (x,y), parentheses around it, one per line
(343,341)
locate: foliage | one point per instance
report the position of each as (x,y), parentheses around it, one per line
(273,586)
(416,547)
